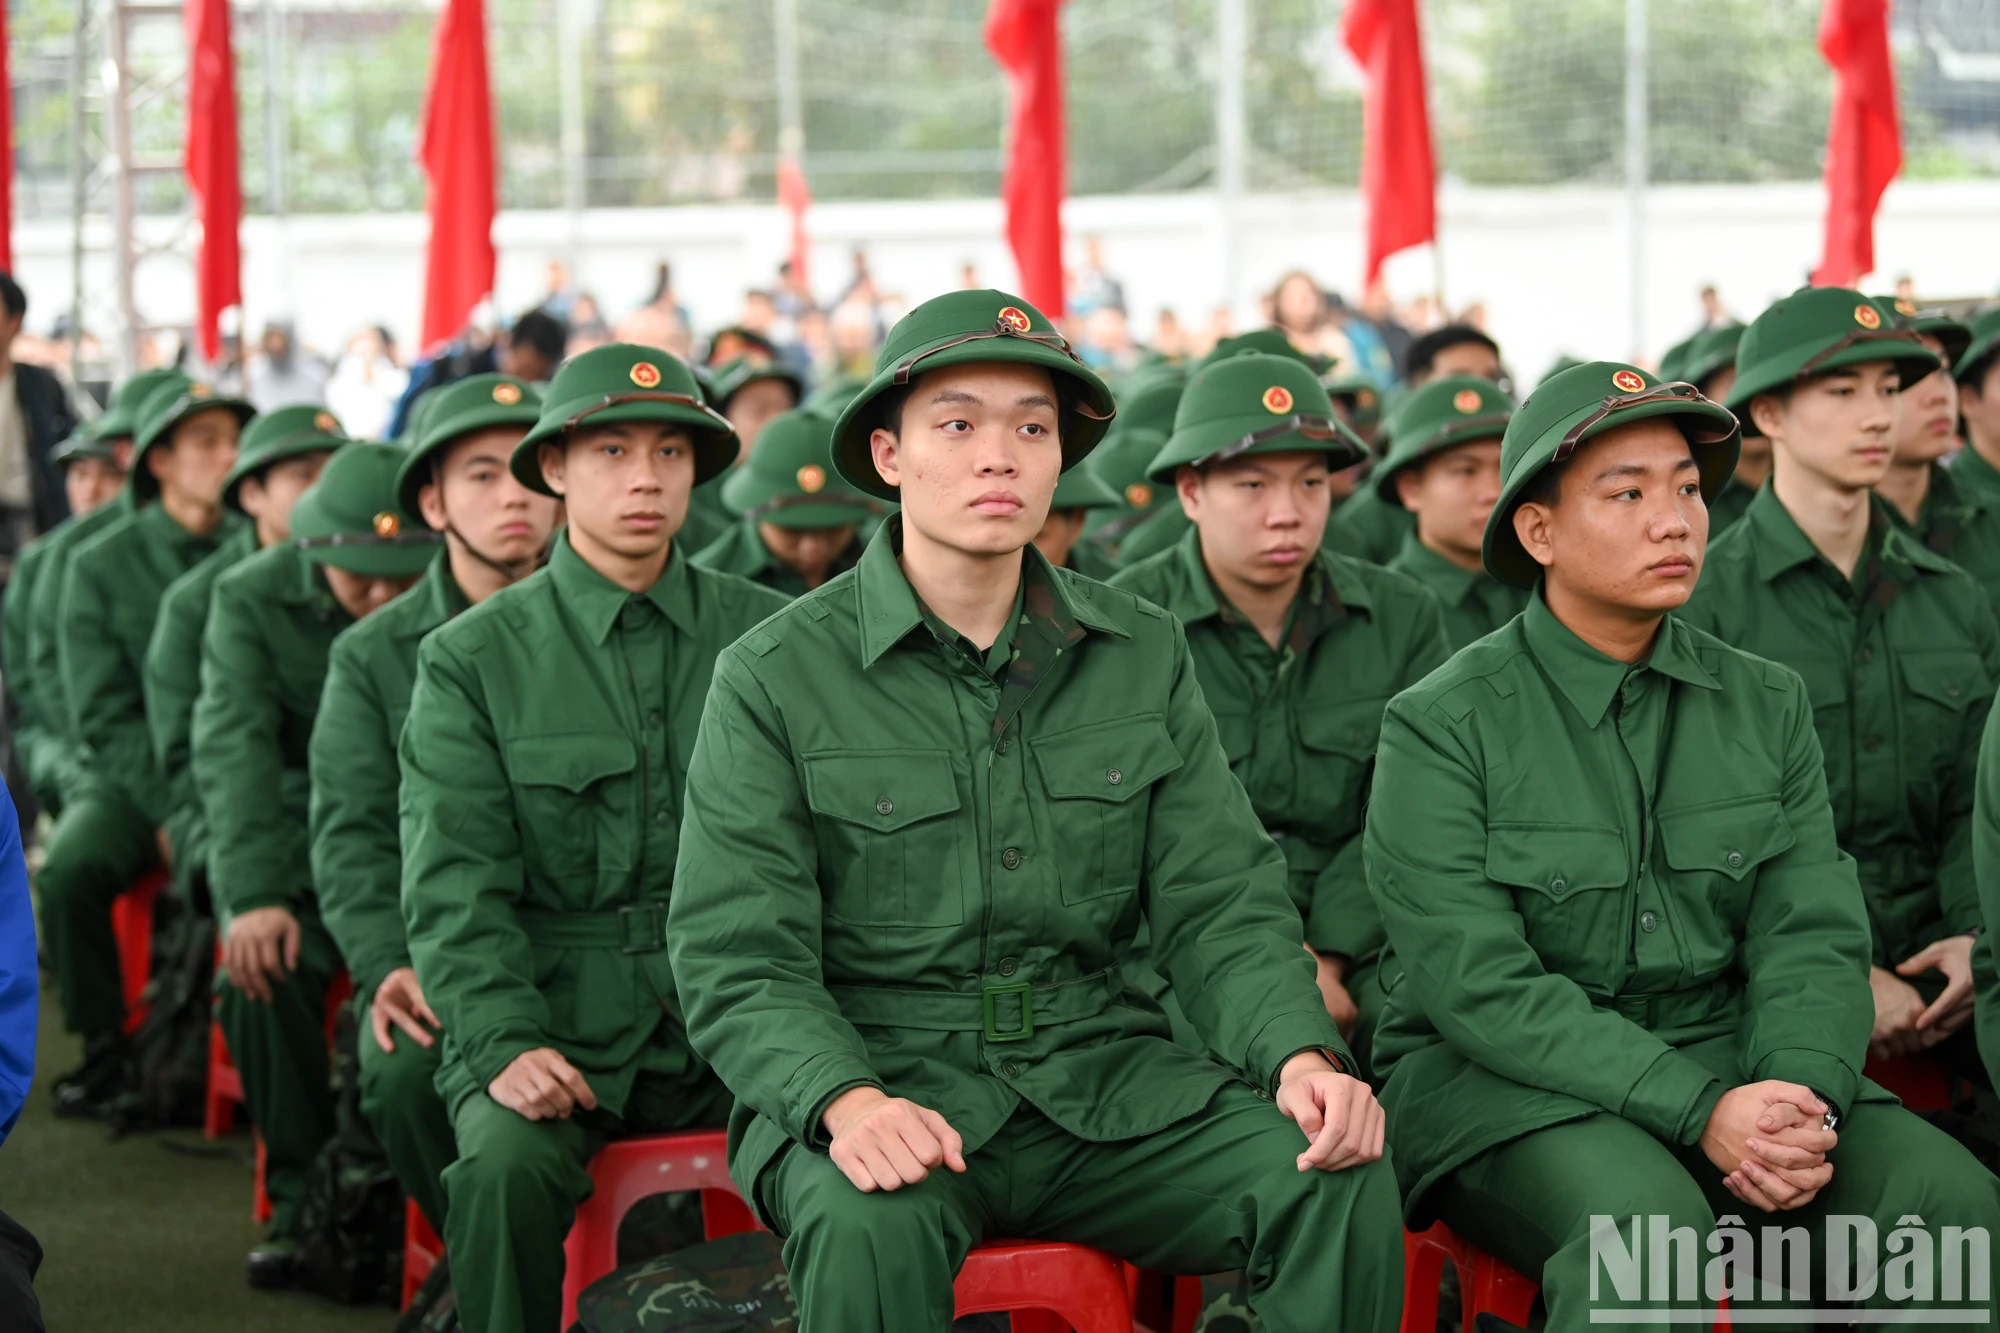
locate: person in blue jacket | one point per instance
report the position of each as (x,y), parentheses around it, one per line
(20,1255)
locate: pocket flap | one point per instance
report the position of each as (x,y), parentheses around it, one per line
(1556,859)
(1731,839)
(883,790)
(572,760)
(1825,678)
(1351,729)
(1947,679)
(1107,761)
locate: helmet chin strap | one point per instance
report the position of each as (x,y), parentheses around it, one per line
(511,570)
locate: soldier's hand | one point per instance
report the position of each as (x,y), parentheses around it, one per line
(261,949)
(1948,1013)
(883,1142)
(1769,1141)
(399,1002)
(1898,1006)
(541,1085)
(1339,1114)
(1333,989)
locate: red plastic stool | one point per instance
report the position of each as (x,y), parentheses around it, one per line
(1486,1286)
(1046,1287)
(422,1248)
(628,1170)
(1919,1080)
(132,925)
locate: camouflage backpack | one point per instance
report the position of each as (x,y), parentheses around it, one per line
(733,1285)
(351,1216)
(170,1049)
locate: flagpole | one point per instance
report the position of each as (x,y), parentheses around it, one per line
(1232,44)
(1637,149)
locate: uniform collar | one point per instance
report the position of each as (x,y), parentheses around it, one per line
(1190,593)
(598,602)
(888,609)
(1453,584)
(1974,472)
(1589,679)
(1781,545)
(437,598)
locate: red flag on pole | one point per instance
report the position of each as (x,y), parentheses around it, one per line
(796,197)
(457,155)
(1398,181)
(1864,146)
(1022,36)
(6,152)
(212,168)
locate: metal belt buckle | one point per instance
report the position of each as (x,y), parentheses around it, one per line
(635,939)
(1027,1002)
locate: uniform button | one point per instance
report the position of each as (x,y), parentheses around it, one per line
(1735,860)
(1114,777)
(1011,1069)
(664,817)
(1953,692)
(1872,743)
(1559,886)
(1009,966)
(1648,922)
(653,718)
(1011,858)
(1865,656)
(885,806)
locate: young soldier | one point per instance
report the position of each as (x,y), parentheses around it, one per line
(280,455)
(455,481)
(543,773)
(752,391)
(1297,648)
(1710,365)
(1145,419)
(1445,469)
(1632,948)
(1898,646)
(1977,467)
(800,524)
(113,831)
(270,627)
(931,805)
(1077,494)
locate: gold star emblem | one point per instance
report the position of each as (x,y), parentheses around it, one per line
(325,423)
(1868,317)
(1466,401)
(1905,306)
(508,394)
(199,390)
(1015,319)
(1277,400)
(387,524)
(1628,381)
(646,375)
(1139,495)
(812,479)
(1365,400)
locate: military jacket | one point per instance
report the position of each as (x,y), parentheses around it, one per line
(1299,724)
(545,761)
(1900,676)
(173,680)
(1607,888)
(1162,532)
(1367,527)
(115,584)
(357,858)
(44,606)
(911,864)
(39,745)
(271,625)
(1729,507)
(1977,479)
(1474,604)
(741,551)
(1961,526)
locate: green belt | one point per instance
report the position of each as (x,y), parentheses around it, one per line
(1690,1007)
(992,1011)
(639,928)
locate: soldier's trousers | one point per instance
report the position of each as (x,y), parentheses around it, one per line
(279,1047)
(1530,1202)
(400,1098)
(101,845)
(1218,1191)
(514,1189)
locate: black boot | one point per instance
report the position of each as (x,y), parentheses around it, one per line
(104,1075)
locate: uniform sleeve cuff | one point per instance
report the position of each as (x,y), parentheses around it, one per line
(1672,1098)
(489,1053)
(1284,1037)
(1829,1076)
(815,1084)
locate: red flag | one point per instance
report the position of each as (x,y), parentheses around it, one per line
(1398,180)
(1022,36)
(1864,146)
(6,153)
(457,154)
(212,168)
(795,197)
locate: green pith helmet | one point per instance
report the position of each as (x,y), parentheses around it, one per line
(1673,361)
(1120,465)
(1253,403)
(1815,330)
(121,419)
(789,481)
(1361,398)
(83,443)
(274,436)
(965,328)
(1985,339)
(1576,406)
(1563,362)
(1268,341)
(172,401)
(732,377)
(1443,414)
(413,420)
(349,520)
(477,402)
(1907,314)
(1710,351)
(1080,488)
(626,382)
(1150,401)
(833,395)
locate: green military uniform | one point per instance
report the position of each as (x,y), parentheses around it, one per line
(1298,722)
(271,625)
(1900,661)
(1459,409)
(173,655)
(1077,489)
(1145,419)
(711,517)
(111,595)
(1977,478)
(787,482)
(1707,354)
(1367,527)
(1358,401)
(1613,892)
(356,851)
(544,765)
(929,887)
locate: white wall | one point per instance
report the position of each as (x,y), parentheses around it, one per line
(1550,264)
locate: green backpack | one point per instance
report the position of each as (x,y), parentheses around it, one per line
(733,1285)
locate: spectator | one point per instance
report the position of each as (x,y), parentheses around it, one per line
(1170,340)
(1107,345)
(855,335)
(278,376)
(1714,314)
(1395,336)
(366,384)
(1094,287)
(562,296)
(1366,354)
(20,1256)
(531,350)
(35,416)
(794,298)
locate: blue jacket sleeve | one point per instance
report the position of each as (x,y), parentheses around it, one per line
(18,995)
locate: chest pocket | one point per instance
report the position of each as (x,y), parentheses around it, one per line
(570,796)
(1099,784)
(1238,734)
(1564,876)
(892,849)
(1338,746)
(1715,851)
(1937,689)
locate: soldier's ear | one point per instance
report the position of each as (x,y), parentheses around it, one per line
(1187,485)
(554,459)
(1767,413)
(1408,483)
(886,450)
(1532,521)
